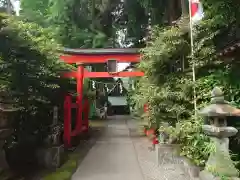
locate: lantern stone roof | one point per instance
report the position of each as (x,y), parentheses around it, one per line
(101,51)
(219,107)
(214,110)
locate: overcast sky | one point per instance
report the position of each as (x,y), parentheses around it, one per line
(16,6)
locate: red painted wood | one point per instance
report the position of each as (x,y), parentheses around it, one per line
(74,105)
(70,59)
(104,74)
(80,77)
(67,121)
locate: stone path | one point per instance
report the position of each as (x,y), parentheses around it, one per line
(121,154)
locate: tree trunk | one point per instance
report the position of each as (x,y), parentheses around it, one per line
(184,8)
(171,11)
(93,13)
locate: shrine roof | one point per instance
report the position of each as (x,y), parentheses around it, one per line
(101,51)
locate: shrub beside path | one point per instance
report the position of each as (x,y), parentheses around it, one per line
(170,168)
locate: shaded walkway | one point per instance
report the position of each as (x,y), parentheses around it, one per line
(121,154)
(113,157)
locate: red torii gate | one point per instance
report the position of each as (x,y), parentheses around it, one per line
(90,56)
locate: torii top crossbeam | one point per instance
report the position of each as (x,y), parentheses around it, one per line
(100,55)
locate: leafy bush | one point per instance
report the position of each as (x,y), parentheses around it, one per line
(195,145)
(164,91)
(167,85)
(168,91)
(30,76)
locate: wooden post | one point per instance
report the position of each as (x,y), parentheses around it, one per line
(67,121)
(79,122)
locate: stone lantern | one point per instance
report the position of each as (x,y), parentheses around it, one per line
(219,163)
(7,115)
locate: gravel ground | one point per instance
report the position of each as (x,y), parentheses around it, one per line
(170,168)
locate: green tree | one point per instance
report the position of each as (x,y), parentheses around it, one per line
(75,23)
(30,75)
(167,85)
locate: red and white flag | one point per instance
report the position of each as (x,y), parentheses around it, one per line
(196,11)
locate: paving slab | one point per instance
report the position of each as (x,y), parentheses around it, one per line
(113,157)
(121,153)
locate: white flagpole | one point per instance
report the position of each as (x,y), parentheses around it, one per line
(16,6)
(193,61)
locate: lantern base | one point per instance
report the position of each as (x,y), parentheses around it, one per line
(219,164)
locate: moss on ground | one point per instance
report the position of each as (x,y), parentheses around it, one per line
(97,123)
(66,170)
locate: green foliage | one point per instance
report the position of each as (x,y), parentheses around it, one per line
(167,85)
(80,23)
(30,74)
(160,87)
(35,10)
(195,145)
(66,170)
(70,21)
